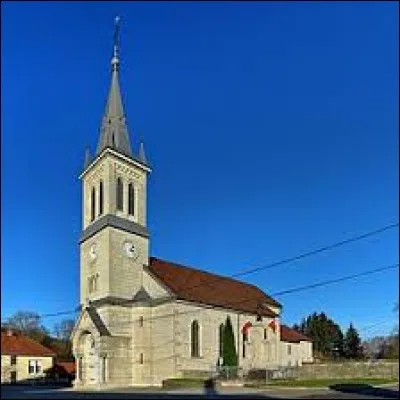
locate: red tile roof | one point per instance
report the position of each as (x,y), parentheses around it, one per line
(65,367)
(291,335)
(19,345)
(203,287)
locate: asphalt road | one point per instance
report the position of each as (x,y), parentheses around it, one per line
(348,392)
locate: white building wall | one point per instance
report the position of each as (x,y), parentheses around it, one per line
(293,354)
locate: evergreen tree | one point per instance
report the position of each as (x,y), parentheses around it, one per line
(229,350)
(296,328)
(337,341)
(326,334)
(352,344)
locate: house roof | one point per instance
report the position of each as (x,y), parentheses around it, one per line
(204,287)
(291,335)
(20,345)
(66,367)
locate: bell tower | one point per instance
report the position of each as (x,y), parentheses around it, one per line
(114,243)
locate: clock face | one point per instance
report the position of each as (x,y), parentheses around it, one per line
(131,250)
(93,251)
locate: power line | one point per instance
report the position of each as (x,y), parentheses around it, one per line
(329,282)
(307,287)
(295,258)
(275,264)
(381,322)
(320,250)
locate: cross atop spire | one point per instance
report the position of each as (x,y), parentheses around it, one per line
(114,132)
(115,60)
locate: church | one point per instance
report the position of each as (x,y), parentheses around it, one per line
(144,319)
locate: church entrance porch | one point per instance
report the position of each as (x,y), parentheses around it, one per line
(90,368)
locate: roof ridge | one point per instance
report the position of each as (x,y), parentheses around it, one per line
(203,271)
(215,275)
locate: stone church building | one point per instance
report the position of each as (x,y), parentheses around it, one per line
(144,319)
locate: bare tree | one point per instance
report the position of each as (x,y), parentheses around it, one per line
(27,323)
(63,329)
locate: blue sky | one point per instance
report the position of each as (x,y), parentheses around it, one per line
(272,129)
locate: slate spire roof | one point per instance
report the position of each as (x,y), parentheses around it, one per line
(114,131)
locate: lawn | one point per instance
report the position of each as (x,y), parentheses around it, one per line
(321,382)
(184,383)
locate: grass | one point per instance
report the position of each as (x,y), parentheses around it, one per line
(310,383)
(183,383)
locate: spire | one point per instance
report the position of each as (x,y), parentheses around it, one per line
(114,132)
(87,158)
(142,155)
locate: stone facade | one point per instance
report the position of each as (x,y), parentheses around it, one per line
(133,328)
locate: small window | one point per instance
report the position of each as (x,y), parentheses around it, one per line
(289,349)
(31,366)
(141,321)
(120,195)
(95,280)
(141,358)
(90,280)
(101,198)
(13,360)
(93,205)
(80,368)
(103,368)
(131,199)
(38,367)
(265,333)
(195,339)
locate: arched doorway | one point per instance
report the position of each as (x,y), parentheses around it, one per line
(88,365)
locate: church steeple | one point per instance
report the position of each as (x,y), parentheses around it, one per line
(114,132)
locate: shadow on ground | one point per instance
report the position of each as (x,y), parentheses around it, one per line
(43,392)
(367,390)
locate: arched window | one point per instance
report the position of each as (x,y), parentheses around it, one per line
(131,199)
(93,205)
(244,338)
(101,198)
(195,339)
(221,340)
(120,194)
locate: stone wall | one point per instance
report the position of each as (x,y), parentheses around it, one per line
(380,369)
